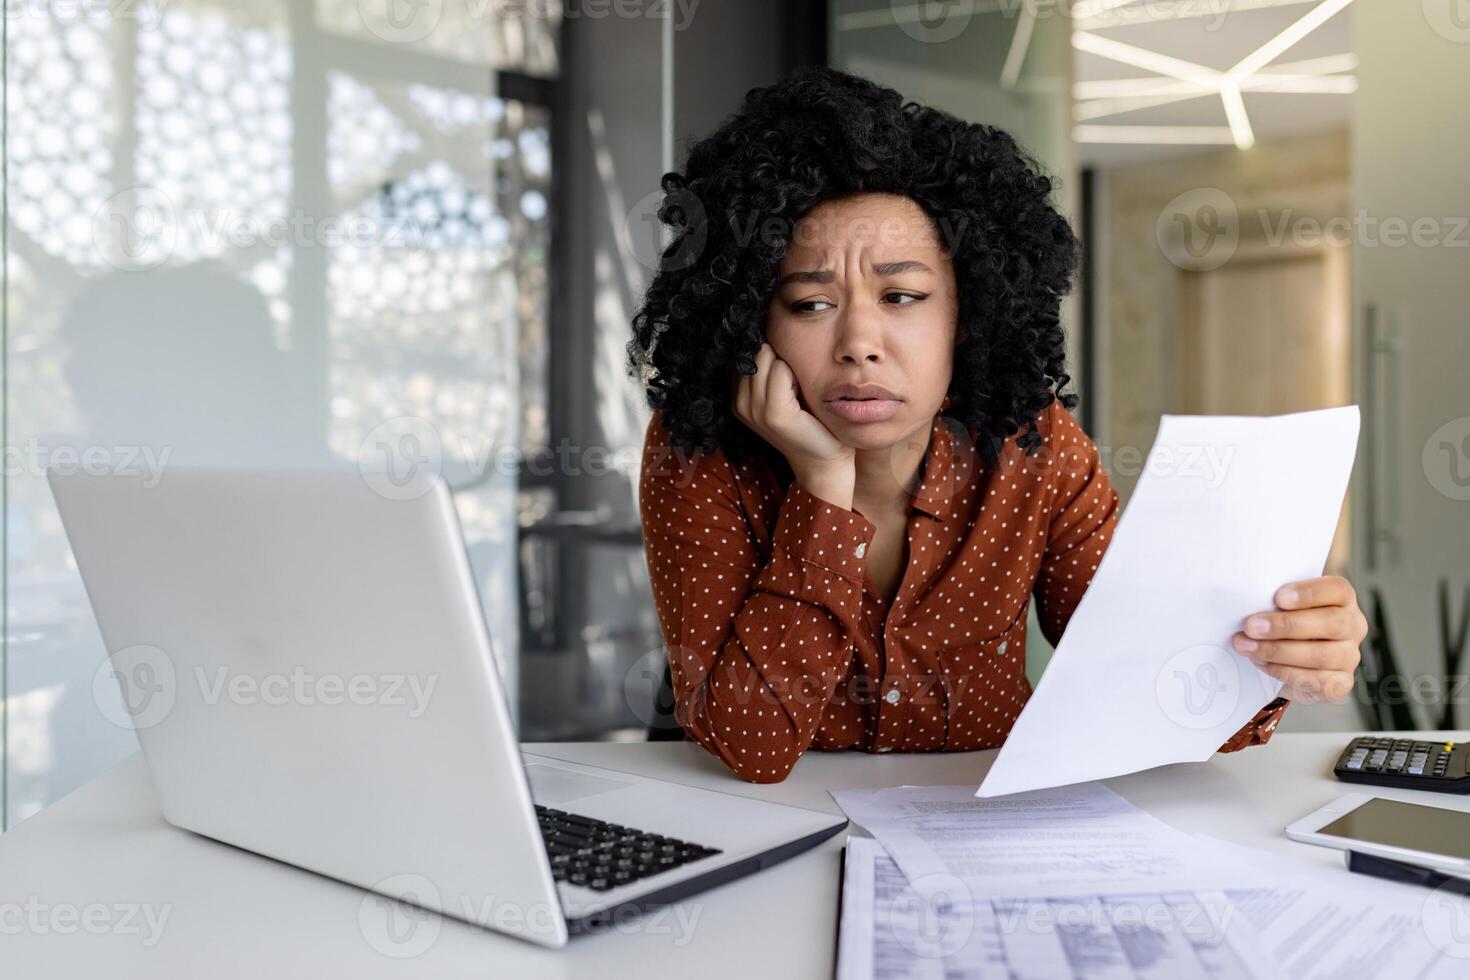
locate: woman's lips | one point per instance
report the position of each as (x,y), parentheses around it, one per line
(866,410)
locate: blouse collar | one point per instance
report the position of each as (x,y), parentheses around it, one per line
(949,464)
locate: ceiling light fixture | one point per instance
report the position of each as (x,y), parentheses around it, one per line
(1244,75)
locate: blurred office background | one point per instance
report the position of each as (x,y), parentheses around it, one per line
(292,230)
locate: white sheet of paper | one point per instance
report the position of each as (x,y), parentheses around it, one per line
(1068,840)
(890,929)
(1227,511)
(1322,923)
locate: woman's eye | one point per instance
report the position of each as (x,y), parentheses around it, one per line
(902,296)
(805,305)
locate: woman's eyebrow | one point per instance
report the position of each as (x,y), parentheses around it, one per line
(882,268)
(816,275)
(897,268)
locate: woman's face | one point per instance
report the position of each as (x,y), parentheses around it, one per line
(866,296)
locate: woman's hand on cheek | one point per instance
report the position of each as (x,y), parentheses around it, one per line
(1310,641)
(768,402)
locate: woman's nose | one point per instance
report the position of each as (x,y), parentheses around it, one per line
(859,336)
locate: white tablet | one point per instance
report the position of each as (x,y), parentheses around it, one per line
(1416,833)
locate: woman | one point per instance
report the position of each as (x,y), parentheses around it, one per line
(862,464)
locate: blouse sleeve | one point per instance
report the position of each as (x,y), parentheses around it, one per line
(756,648)
(1258,730)
(1083,515)
(1083,521)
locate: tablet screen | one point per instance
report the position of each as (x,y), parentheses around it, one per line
(1409,825)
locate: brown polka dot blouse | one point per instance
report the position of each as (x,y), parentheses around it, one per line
(780,642)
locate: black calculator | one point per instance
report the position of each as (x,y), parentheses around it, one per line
(1441,767)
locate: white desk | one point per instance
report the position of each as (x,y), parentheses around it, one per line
(234,914)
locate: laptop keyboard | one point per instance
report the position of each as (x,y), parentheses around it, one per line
(602,856)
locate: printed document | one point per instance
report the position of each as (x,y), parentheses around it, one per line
(1227,511)
(1060,841)
(891,929)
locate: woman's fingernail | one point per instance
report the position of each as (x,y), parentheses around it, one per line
(1289,596)
(1245,644)
(1258,626)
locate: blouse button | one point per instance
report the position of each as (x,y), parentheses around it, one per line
(862,549)
(885,748)
(1002,648)
(892,696)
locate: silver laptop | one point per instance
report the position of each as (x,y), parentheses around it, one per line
(307,667)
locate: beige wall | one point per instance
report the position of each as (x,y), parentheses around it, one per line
(1304,180)
(1411,146)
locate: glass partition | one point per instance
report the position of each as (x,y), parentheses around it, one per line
(266,232)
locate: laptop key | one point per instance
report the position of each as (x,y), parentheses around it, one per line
(601,856)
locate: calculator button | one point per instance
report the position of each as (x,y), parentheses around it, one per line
(1356,762)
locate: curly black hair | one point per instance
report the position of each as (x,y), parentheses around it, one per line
(822,134)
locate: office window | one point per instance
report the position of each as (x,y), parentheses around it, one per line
(262,231)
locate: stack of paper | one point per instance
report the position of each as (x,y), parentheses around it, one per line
(1077,882)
